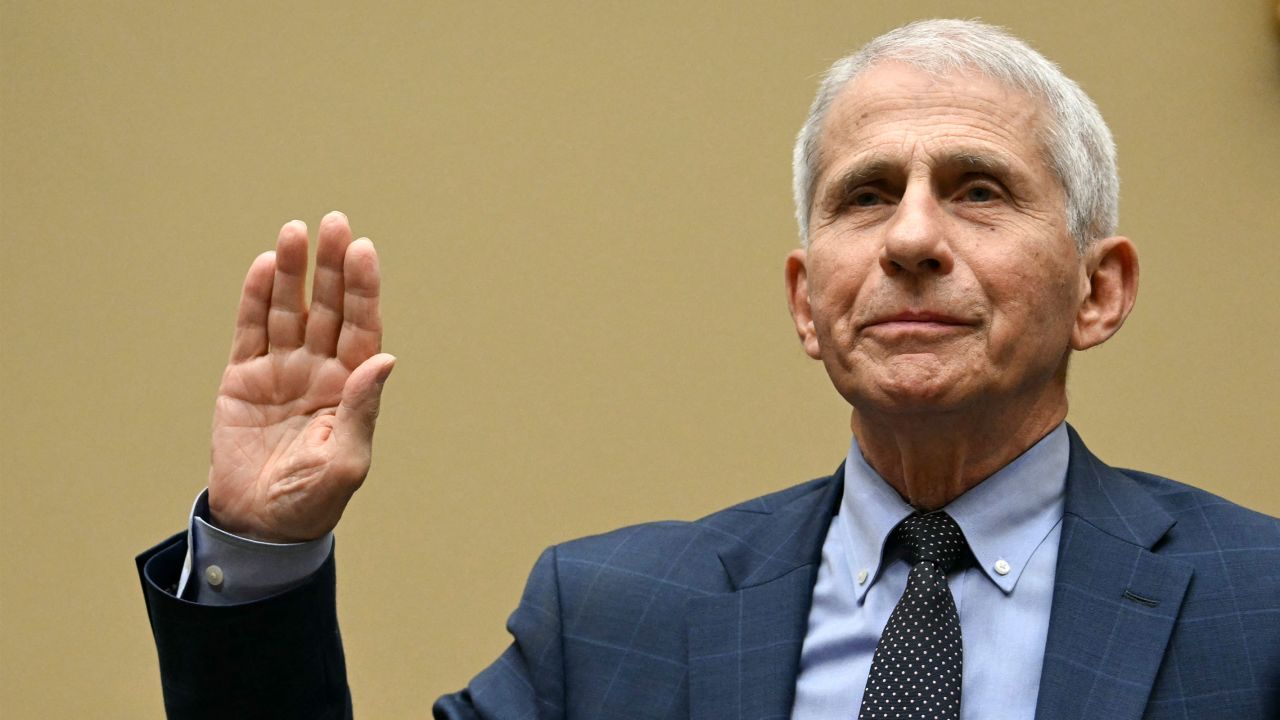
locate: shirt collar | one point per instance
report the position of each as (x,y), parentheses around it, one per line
(1004,518)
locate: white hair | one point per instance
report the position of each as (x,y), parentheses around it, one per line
(1078,146)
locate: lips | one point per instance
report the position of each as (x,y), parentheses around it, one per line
(916,325)
(906,318)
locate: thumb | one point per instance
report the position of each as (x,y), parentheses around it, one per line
(361,397)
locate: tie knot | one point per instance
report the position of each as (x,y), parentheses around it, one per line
(934,537)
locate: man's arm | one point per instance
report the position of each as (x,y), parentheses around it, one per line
(292,441)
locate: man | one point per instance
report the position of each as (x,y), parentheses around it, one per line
(957,202)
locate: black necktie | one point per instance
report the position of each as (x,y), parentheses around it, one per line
(915,672)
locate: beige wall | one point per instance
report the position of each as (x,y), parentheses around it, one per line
(582,214)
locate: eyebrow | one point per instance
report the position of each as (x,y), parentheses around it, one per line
(878,167)
(872,168)
(974,162)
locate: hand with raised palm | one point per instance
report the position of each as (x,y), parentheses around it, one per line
(294,419)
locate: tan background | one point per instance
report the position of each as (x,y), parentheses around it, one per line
(582,211)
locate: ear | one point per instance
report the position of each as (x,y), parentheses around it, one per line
(1110,290)
(798,301)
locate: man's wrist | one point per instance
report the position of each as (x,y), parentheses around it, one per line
(224,569)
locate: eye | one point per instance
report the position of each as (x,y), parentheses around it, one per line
(979,194)
(864,198)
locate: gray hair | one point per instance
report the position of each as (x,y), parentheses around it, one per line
(1077,143)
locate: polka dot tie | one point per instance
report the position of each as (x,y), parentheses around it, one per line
(915,672)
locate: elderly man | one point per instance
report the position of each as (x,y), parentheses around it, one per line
(956,196)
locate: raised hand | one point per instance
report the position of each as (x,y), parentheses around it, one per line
(293,425)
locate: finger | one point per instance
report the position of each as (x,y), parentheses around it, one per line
(250,339)
(358,411)
(287,316)
(324,319)
(361,335)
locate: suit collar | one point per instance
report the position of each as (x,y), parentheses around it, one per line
(744,645)
(793,524)
(787,536)
(1115,602)
(1110,501)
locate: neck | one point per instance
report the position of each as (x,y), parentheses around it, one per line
(931,459)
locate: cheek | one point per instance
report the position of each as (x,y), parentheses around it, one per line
(834,288)
(1032,288)
(830,314)
(1034,308)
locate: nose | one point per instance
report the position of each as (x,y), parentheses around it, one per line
(915,239)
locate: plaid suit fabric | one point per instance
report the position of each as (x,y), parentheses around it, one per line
(1166,605)
(602,626)
(1166,602)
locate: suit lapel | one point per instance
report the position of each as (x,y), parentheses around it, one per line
(1114,602)
(744,646)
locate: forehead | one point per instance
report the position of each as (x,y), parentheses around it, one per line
(900,114)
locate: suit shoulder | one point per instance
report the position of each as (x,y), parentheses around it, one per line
(1201,510)
(680,554)
(773,501)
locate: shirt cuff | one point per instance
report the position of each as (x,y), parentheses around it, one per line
(226,569)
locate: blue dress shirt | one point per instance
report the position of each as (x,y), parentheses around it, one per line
(1012,522)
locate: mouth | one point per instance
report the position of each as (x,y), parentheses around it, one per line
(916,322)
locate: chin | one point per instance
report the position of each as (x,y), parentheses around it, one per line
(909,401)
(918,391)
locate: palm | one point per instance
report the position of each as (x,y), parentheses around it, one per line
(292,427)
(265,408)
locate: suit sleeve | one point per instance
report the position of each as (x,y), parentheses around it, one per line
(526,681)
(279,657)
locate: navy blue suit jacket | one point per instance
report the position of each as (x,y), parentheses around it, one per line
(1166,605)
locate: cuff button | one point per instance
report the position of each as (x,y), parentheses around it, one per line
(213,575)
